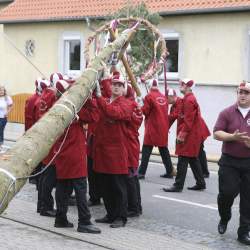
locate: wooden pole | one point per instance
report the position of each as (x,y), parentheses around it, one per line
(35,144)
(127,67)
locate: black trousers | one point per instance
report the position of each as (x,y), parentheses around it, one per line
(94,182)
(182,166)
(203,160)
(114,193)
(63,191)
(165,156)
(47,182)
(134,195)
(234,180)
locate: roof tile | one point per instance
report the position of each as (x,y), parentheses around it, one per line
(39,10)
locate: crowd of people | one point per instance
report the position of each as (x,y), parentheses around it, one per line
(99,152)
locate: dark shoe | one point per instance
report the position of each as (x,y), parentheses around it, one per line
(172,189)
(197,187)
(105,219)
(118,223)
(49,213)
(91,229)
(94,203)
(33,181)
(169,176)
(141,176)
(206,175)
(222,227)
(244,239)
(65,224)
(132,214)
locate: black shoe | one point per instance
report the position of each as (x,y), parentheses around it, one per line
(132,214)
(169,176)
(141,176)
(206,175)
(118,223)
(49,213)
(91,229)
(105,219)
(94,203)
(197,187)
(173,189)
(244,239)
(222,227)
(33,181)
(64,224)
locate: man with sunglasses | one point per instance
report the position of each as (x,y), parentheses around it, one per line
(233,129)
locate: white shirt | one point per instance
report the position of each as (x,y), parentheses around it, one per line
(5,101)
(244,111)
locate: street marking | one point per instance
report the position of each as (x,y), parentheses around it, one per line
(185,202)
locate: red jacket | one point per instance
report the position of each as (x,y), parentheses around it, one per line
(133,136)
(110,143)
(155,109)
(47,100)
(31,110)
(105,85)
(71,159)
(189,128)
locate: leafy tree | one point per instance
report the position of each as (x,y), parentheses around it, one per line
(142,45)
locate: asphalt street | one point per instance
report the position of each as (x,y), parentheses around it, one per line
(191,210)
(190,216)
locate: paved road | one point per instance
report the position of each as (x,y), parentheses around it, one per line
(189,217)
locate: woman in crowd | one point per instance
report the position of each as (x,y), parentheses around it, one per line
(5,107)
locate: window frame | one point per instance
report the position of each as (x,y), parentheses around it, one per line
(64,56)
(172,36)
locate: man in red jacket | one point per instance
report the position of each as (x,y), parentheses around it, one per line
(189,139)
(155,110)
(111,153)
(71,168)
(30,117)
(176,114)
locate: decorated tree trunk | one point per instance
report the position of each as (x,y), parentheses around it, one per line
(35,144)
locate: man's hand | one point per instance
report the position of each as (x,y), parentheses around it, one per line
(238,136)
(179,140)
(247,141)
(139,100)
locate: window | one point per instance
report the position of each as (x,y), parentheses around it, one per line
(71,59)
(172,62)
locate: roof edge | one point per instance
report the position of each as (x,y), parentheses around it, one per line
(162,13)
(56,19)
(205,11)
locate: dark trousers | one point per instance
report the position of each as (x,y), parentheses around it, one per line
(47,182)
(94,183)
(233,181)
(114,193)
(182,166)
(3,122)
(203,160)
(134,195)
(36,178)
(63,191)
(165,156)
